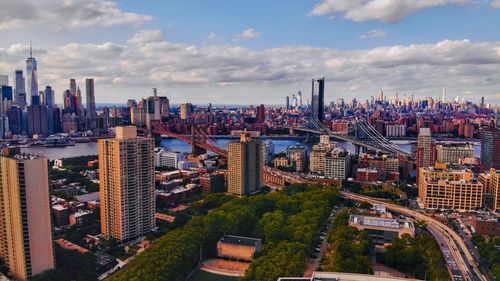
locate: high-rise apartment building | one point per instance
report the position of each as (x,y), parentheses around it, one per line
(244,166)
(90,99)
(451,153)
(126,170)
(490,147)
(426,150)
(25,227)
(32,79)
(318,98)
(443,187)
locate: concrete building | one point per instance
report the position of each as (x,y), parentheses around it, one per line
(25,227)
(491,187)
(490,145)
(237,247)
(383,230)
(485,225)
(126,172)
(268,152)
(451,153)
(281,162)
(186,110)
(337,163)
(426,150)
(213,183)
(165,158)
(244,166)
(317,156)
(387,166)
(297,157)
(395,131)
(443,187)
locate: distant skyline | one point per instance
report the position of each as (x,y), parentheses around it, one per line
(252,52)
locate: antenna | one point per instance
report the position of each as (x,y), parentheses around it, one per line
(31,50)
(155,91)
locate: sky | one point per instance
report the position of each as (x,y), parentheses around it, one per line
(259,51)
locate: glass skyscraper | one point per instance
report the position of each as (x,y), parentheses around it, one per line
(32,79)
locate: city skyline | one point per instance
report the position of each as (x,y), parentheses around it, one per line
(261,52)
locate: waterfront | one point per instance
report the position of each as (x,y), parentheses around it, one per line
(80,149)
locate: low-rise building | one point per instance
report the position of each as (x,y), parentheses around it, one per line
(383,230)
(80,218)
(238,247)
(366,175)
(61,215)
(165,158)
(485,225)
(387,166)
(213,183)
(343,276)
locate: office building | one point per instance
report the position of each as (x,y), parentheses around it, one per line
(19,91)
(32,79)
(490,147)
(297,157)
(37,120)
(49,96)
(337,163)
(25,228)
(452,152)
(261,114)
(318,98)
(426,150)
(126,173)
(449,187)
(90,99)
(4,80)
(244,166)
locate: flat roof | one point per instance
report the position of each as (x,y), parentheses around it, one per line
(341,276)
(380,222)
(239,240)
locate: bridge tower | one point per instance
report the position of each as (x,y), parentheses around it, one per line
(196,138)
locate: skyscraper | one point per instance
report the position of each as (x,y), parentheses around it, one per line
(299,98)
(25,228)
(19,91)
(126,170)
(185,110)
(32,80)
(90,98)
(49,96)
(287,102)
(261,113)
(244,166)
(318,98)
(426,153)
(490,145)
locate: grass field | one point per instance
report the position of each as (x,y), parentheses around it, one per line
(206,276)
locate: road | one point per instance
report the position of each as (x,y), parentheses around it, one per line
(467,265)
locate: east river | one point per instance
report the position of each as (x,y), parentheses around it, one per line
(80,149)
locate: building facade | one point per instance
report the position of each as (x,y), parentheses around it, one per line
(126,172)
(25,228)
(490,145)
(244,166)
(451,153)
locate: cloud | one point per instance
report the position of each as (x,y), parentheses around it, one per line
(495,4)
(211,38)
(248,34)
(62,15)
(232,74)
(383,10)
(147,36)
(374,33)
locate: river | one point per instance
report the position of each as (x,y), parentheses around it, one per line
(81,149)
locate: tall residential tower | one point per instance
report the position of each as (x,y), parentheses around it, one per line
(244,166)
(126,172)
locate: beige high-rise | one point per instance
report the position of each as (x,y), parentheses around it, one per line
(244,166)
(126,170)
(25,222)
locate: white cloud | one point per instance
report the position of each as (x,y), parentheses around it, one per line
(495,4)
(384,10)
(374,33)
(147,36)
(248,34)
(65,14)
(232,74)
(211,38)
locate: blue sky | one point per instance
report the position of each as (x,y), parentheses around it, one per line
(258,51)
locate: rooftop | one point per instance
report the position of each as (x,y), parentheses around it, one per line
(239,240)
(380,222)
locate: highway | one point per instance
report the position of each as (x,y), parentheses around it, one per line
(467,265)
